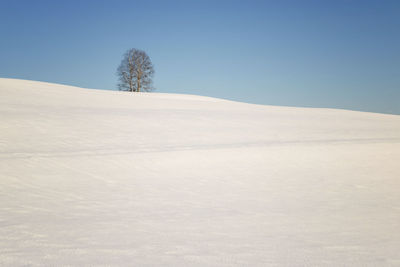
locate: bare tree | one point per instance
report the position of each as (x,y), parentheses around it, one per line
(135,72)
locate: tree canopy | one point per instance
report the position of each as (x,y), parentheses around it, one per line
(135,71)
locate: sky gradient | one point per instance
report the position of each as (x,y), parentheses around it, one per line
(336,54)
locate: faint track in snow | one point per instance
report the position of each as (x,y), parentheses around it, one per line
(173,148)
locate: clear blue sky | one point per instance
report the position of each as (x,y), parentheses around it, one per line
(338,53)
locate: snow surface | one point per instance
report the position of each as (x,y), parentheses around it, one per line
(104,178)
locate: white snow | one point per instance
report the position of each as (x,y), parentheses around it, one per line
(105,178)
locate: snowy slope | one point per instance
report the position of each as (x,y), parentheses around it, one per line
(92,178)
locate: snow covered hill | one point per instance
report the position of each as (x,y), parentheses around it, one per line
(100,178)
